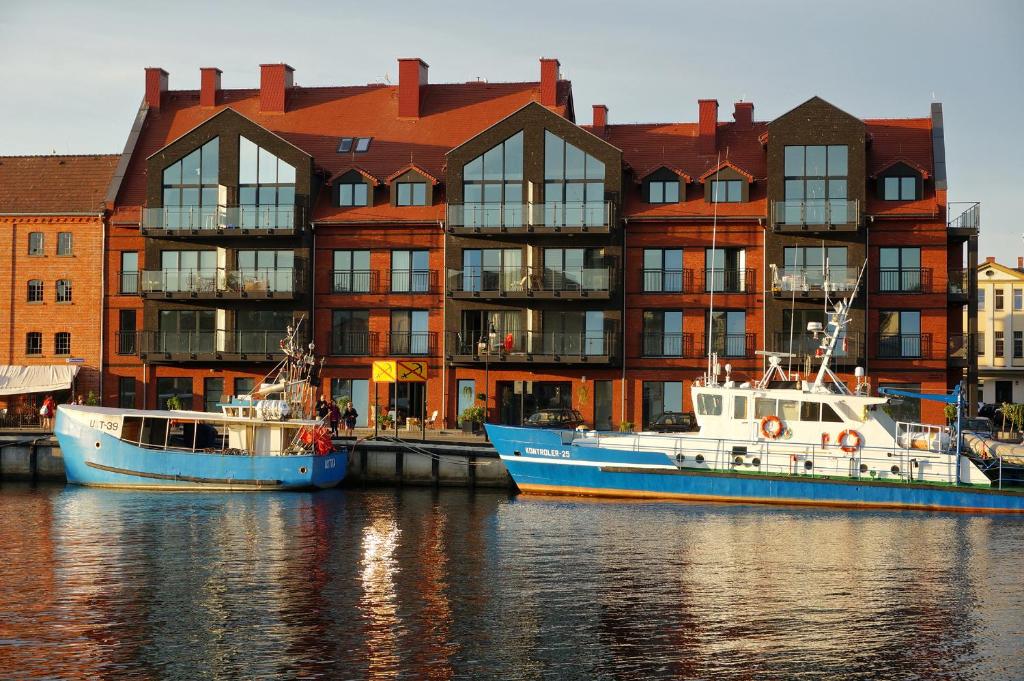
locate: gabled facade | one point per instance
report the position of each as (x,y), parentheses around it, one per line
(1000,339)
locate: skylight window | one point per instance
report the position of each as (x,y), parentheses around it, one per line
(356,144)
(345,145)
(362,144)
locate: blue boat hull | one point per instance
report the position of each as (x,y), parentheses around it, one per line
(101,460)
(540,462)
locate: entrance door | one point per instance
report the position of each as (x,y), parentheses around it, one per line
(603,405)
(1004,392)
(510,402)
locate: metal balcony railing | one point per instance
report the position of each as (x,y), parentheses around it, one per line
(957,282)
(523,216)
(212,218)
(412,281)
(968,219)
(127,342)
(816,212)
(525,280)
(812,279)
(665,281)
(128,283)
(729,345)
(413,343)
(506,344)
(904,345)
(214,282)
(959,347)
(353,281)
(849,350)
(729,280)
(904,280)
(354,343)
(210,344)
(654,344)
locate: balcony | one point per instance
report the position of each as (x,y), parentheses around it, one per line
(667,345)
(904,280)
(354,344)
(849,351)
(127,342)
(530,218)
(280,283)
(687,281)
(507,347)
(666,281)
(967,222)
(210,346)
(728,281)
(412,281)
(904,346)
(529,282)
(200,221)
(816,215)
(960,350)
(957,286)
(128,283)
(412,343)
(729,345)
(809,282)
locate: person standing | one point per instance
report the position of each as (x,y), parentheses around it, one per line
(349,416)
(47,412)
(335,413)
(322,408)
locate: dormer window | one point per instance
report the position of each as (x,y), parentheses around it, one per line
(899,188)
(663,191)
(352,194)
(726,191)
(412,193)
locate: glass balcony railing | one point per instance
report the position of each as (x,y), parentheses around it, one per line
(212,218)
(509,344)
(516,216)
(206,345)
(849,349)
(816,212)
(812,279)
(216,282)
(526,280)
(957,282)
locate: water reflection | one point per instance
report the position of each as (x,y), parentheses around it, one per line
(451,584)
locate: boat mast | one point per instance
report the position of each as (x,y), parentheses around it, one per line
(837,321)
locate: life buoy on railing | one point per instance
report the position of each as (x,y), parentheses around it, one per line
(849,441)
(771,427)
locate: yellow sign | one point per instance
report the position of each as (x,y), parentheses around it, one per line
(401,371)
(384,371)
(412,372)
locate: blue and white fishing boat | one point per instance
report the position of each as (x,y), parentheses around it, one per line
(268,440)
(780,440)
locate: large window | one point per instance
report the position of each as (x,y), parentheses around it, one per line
(267,270)
(126,332)
(62,343)
(266,188)
(261,331)
(573,185)
(490,329)
(64,243)
(351,272)
(213,393)
(186,331)
(244,386)
(63,290)
(663,191)
(410,271)
(353,191)
(1018,299)
(899,333)
(184,271)
(129,273)
(180,387)
(725,270)
(190,189)
(999,344)
(575,269)
(126,392)
(663,270)
(1018,344)
(492,190)
(357,391)
(726,191)
(35,290)
(493,269)
(574,333)
(899,270)
(660,397)
(411,193)
(35,243)
(663,333)
(805,267)
(409,334)
(997,299)
(350,332)
(33,343)
(728,333)
(899,188)
(816,185)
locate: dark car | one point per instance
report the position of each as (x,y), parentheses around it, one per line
(979,425)
(566,419)
(675,422)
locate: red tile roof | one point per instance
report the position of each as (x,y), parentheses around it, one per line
(318,117)
(907,140)
(725,164)
(54,185)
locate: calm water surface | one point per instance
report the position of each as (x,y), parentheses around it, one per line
(421,584)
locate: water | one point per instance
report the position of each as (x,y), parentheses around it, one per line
(418,584)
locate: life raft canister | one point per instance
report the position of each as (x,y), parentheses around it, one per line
(850,441)
(771,427)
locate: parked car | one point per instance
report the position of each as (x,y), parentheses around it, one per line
(979,425)
(675,422)
(563,418)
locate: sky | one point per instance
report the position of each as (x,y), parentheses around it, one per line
(71,72)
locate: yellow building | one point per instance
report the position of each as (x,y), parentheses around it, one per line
(1000,332)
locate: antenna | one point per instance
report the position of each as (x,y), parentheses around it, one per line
(711,271)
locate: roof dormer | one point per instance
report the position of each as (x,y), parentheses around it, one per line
(726,182)
(900,180)
(353,187)
(663,184)
(412,186)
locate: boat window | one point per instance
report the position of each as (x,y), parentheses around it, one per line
(709,405)
(764,406)
(789,410)
(154,432)
(739,407)
(810,411)
(829,414)
(130,428)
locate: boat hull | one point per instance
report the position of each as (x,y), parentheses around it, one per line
(98,459)
(541,462)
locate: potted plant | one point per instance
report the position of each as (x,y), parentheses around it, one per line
(174,402)
(384,421)
(472,419)
(949,411)
(1013,416)
(626,427)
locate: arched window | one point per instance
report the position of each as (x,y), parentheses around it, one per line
(573,185)
(266,188)
(492,190)
(190,189)
(63,290)
(35,290)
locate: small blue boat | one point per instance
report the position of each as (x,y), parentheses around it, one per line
(270,439)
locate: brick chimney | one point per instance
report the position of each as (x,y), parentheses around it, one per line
(743,114)
(275,81)
(549,76)
(156,85)
(707,126)
(1020,263)
(209,86)
(600,119)
(990,259)
(412,78)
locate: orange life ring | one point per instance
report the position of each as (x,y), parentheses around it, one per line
(771,427)
(850,441)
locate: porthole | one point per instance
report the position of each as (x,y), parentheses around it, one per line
(756,462)
(97,445)
(738,460)
(808,465)
(699,458)
(302,470)
(863,468)
(680,457)
(895,470)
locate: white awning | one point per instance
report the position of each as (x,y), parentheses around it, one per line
(40,378)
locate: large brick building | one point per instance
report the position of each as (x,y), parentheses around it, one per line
(52,220)
(531,261)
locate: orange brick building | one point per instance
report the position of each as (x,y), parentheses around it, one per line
(52,221)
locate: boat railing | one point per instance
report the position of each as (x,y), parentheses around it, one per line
(812,460)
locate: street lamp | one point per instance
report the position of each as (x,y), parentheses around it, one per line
(486,345)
